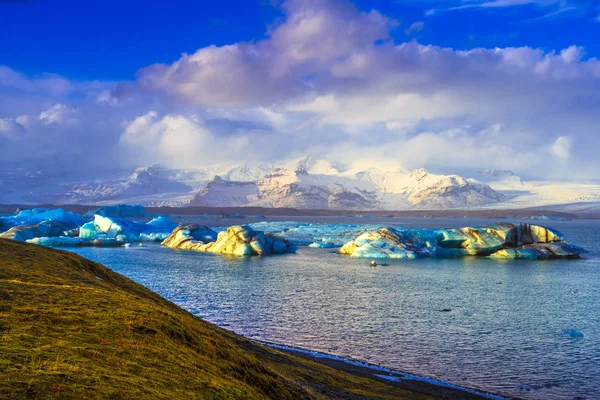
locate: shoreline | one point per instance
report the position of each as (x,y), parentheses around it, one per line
(292,212)
(419,383)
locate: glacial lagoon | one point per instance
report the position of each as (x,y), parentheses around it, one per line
(516,328)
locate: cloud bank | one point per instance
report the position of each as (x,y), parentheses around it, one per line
(327,80)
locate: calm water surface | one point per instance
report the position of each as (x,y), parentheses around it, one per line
(504,332)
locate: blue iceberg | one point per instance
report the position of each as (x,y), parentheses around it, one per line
(127,231)
(573,333)
(65,241)
(36,215)
(50,228)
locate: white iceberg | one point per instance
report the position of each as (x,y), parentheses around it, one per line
(127,231)
(235,240)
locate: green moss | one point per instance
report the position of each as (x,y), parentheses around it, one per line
(72,329)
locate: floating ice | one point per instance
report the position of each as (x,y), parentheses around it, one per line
(23,233)
(65,241)
(573,333)
(127,231)
(501,241)
(307,234)
(323,244)
(385,243)
(236,240)
(36,215)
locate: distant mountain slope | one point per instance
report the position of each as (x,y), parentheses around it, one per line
(370,190)
(305,183)
(222,193)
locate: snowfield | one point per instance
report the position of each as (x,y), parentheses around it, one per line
(303,184)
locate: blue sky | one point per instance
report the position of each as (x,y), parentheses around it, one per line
(112,39)
(509,84)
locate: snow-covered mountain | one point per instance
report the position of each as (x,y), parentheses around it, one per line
(365,190)
(304,183)
(222,193)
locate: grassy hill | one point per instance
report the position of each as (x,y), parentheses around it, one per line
(72,328)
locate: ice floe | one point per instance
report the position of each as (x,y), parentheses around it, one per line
(235,240)
(573,333)
(37,215)
(65,241)
(127,231)
(499,241)
(315,235)
(49,228)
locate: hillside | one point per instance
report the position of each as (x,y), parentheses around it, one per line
(71,329)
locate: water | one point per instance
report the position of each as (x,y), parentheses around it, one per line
(504,333)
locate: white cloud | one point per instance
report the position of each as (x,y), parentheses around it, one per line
(315,35)
(11,128)
(181,141)
(327,79)
(561,148)
(60,114)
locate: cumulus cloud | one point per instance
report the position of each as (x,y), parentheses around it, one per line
(183,141)
(315,35)
(327,79)
(59,114)
(561,148)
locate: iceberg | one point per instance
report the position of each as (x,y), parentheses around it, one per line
(307,234)
(127,231)
(235,240)
(36,215)
(498,241)
(50,228)
(386,243)
(573,333)
(118,211)
(65,241)
(323,244)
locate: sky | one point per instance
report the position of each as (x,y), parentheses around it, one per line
(509,84)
